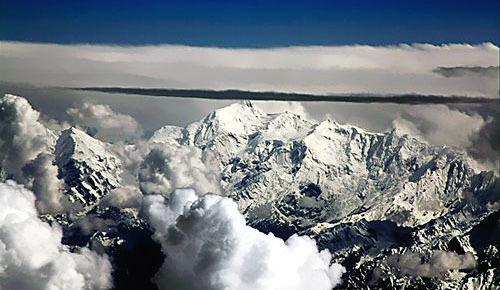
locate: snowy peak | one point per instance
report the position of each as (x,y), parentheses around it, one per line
(237,119)
(365,196)
(79,144)
(286,126)
(167,134)
(305,172)
(89,170)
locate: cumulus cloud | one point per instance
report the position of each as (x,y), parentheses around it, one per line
(314,69)
(23,136)
(438,124)
(42,174)
(102,121)
(208,246)
(31,253)
(26,152)
(131,155)
(464,127)
(485,144)
(166,168)
(437,265)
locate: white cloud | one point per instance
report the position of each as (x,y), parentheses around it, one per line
(463,129)
(131,155)
(209,246)
(44,183)
(437,265)
(26,152)
(23,136)
(108,124)
(166,168)
(439,125)
(315,69)
(31,253)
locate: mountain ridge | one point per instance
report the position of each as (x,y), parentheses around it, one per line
(377,201)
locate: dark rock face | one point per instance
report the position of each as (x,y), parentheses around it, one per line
(136,261)
(88,169)
(310,190)
(135,256)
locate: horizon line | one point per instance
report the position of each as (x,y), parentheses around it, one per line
(236,94)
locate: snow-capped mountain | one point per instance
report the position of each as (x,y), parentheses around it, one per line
(88,168)
(363,195)
(372,199)
(305,172)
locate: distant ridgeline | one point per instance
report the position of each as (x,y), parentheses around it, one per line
(282,96)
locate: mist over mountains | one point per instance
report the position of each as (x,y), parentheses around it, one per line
(303,167)
(248,197)
(250,145)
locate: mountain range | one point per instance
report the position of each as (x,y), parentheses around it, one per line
(395,211)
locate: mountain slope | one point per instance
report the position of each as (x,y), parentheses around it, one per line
(328,171)
(365,196)
(373,199)
(88,168)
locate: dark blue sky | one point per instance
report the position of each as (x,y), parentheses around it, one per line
(251,23)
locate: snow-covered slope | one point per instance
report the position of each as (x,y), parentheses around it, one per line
(363,195)
(88,168)
(368,197)
(306,172)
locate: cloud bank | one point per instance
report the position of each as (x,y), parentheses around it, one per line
(100,120)
(32,256)
(461,71)
(464,128)
(294,97)
(26,152)
(316,69)
(439,125)
(208,246)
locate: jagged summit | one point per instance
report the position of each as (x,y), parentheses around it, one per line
(267,160)
(237,118)
(358,193)
(86,165)
(366,196)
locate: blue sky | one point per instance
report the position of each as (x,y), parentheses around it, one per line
(251,23)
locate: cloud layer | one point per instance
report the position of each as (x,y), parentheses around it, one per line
(209,246)
(461,71)
(316,69)
(32,256)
